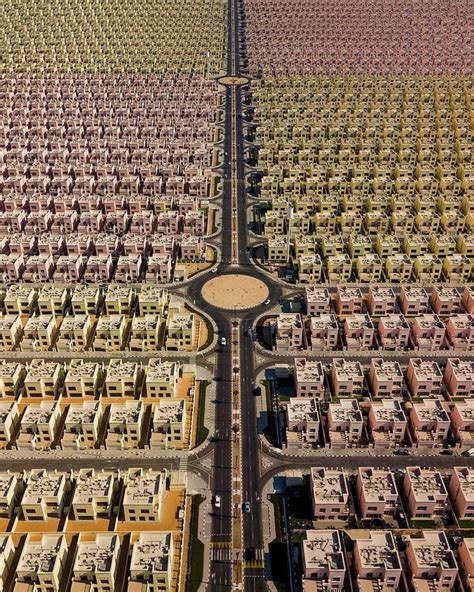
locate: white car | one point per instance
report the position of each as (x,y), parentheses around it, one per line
(214,270)
(217,501)
(267,302)
(223,341)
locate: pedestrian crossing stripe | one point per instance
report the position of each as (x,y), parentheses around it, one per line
(220,544)
(254,564)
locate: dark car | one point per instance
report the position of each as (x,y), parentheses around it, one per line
(257,391)
(446,452)
(402,452)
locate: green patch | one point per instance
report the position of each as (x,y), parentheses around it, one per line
(197,548)
(202,432)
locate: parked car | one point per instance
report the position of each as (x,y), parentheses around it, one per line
(217,501)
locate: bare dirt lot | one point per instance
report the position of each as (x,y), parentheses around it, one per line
(235,291)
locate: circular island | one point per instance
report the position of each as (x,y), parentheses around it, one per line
(235,292)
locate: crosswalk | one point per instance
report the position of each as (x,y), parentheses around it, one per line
(257,561)
(221,551)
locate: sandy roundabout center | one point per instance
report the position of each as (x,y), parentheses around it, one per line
(235,291)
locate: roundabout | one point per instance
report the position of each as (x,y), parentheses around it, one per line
(235,291)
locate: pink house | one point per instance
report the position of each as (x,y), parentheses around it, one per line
(324,330)
(446,300)
(381,301)
(318,300)
(387,422)
(462,421)
(303,422)
(423,377)
(413,300)
(12,267)
(69,268)
(459,377)
(429,332)
(344,423)
(159,268)
(289,331)
(377,562)
(129,268)
(468,299)
(323,560)
(461,490)
(349,301)
(426,496)
(347,378)
(163,244)
(460,332)
(99,268)
(309,378)
(431,561)
(393,332)
(38,268)
(330,494)
(359,332)
(466,563)
(429,422)
(385,378)
(191,247)
(377,493)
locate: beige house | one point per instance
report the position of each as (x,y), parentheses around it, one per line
(42,563)
(38,426)
(123,378)
(144,492)
(94,494)
(96,561)
(162,378)
(45,494)
(180,331)
(83,379)
(44,379)
(125,425)
(81,425)
(12,375)
(152,560)
(169,424)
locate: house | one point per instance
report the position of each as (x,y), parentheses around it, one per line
(330,494)
(323,560)
(377,493)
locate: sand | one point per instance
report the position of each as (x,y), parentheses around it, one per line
(235,291)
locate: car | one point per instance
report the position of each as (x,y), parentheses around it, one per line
(257,391)
(214,270)
(469,452)
(217,501)
(223,341)
(246,507)
(267,302)
(402,452)
(249,554)
(446,452)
